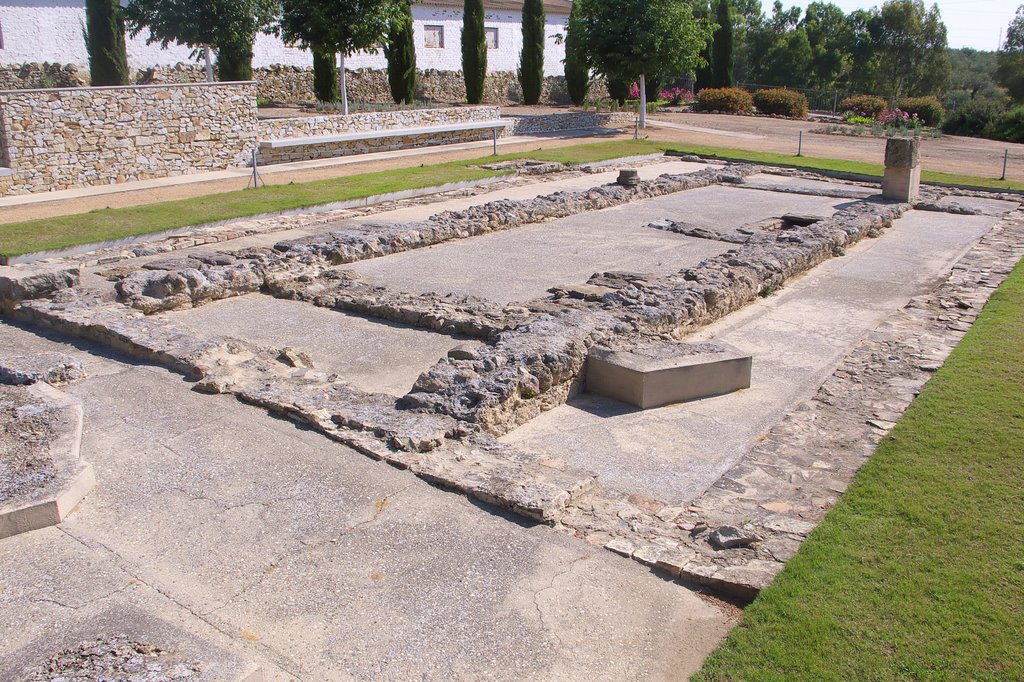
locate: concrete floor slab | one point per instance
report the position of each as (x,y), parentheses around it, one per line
(374,356)
(809,184)
(524,263)
(316,562)
(796,337)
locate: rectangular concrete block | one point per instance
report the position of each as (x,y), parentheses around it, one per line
(902,179)
(658,374)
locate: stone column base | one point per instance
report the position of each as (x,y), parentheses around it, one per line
(901,184)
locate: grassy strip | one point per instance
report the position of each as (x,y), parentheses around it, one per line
(918,572)
(114,223)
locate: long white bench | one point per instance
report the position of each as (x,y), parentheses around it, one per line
(288,142)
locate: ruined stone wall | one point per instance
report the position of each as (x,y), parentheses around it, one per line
(56,139)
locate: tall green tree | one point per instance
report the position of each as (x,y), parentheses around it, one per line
(1010,60)
(474,50)
(400,50)
(531,59)
(226,25)
(722,47)
(325,75)
(104,38)
(910,44)
(577,74)
(626,39)
(830,36)
(334,27)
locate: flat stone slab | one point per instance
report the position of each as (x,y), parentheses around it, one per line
(42,476)
(48,367)
(657,374)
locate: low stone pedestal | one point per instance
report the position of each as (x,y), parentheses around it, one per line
(661,373)
(902,180)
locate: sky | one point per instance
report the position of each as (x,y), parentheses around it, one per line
(969,23)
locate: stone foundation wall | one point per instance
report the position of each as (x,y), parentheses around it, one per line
(294,84)
(57,139)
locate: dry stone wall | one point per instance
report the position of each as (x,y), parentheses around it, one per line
(285,84)
(56,139)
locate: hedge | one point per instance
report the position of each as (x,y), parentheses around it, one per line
(928,109)
(729,100)
(864,105)
(782,102)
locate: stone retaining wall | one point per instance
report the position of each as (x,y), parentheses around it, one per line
(573,120)
(294,84)
(57,139)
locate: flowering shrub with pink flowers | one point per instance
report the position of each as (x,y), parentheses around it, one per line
(677,96)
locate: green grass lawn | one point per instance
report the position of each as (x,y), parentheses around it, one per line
(918,572)
(113,223)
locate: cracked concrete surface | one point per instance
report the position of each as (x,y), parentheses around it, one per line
(318,563)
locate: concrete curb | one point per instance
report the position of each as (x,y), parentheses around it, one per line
(310,210)
(53,504)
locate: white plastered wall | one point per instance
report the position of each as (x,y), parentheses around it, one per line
(51,31)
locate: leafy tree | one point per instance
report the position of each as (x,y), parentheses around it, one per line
(722,42)
(910,45)
(618,89)
(332,27)
(577,75)
(531,59)
(830,36)
(474,50)
(788,61)
(227,25)
(1010,70)
(973,72)
(325,75)
(400,50)
(104,39)
(624,39)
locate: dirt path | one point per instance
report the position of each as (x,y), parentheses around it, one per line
(949,153)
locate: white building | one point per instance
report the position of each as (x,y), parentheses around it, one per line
(51,31)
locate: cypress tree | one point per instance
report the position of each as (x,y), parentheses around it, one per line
(531,59)
(234,60)
(474,50)
(577,75)
(400,50)
(325,75)
(721,57)
(104,38)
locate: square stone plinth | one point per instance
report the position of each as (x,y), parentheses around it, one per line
(657,374)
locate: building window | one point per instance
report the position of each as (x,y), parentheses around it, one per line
(433,36)
(491,34)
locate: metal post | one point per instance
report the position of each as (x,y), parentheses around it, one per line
(800,145)
(835,103)
(494,132)
(255,180)
(1006,156)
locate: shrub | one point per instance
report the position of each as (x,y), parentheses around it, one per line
(730,100)
(928,109)
(1009,127)
(782,102)
(863,105)
(972,118)
(676,96)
